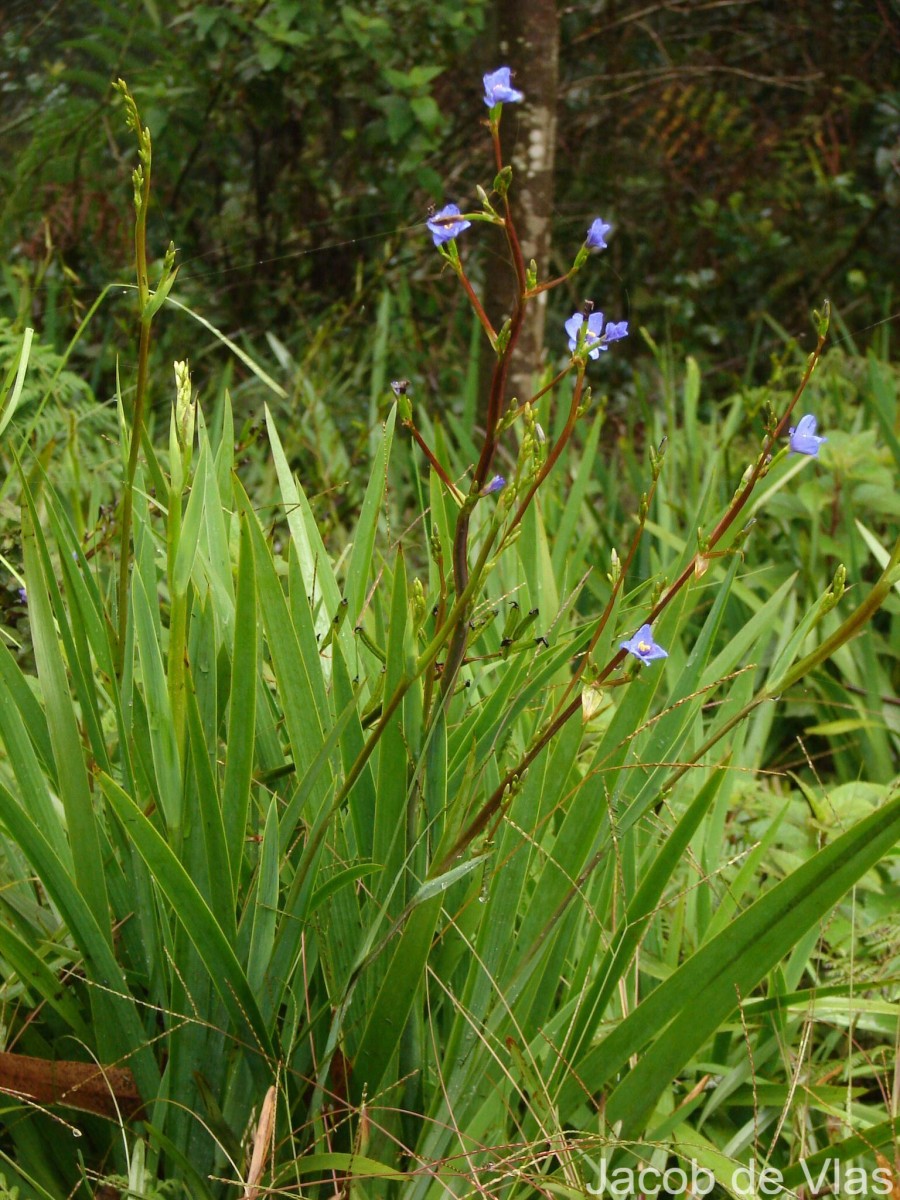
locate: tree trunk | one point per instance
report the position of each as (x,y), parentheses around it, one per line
(528,42)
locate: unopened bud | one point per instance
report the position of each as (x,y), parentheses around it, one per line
(822,318)
(836,591)
(656,457)
(419,607)
(137,183)
(745,479)
(184,406)
(503,180)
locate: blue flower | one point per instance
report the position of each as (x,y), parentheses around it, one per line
(642,646)
(593,341)
(803,438)
(616,330)
(444,230)
(497,89)
(597,338)
(495,485)
(596,235)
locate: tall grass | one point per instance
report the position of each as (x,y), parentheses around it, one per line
(381,869)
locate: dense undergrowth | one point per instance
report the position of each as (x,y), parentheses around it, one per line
(347,850)
(300,144)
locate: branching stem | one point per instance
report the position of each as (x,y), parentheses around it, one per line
(492,805)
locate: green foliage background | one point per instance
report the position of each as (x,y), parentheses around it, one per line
(236,848)
(299,145)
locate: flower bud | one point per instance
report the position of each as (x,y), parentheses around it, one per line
(836,591)
(185,409)
(656,457)
(822,318)
(745,479)
(419,608)
(502,181)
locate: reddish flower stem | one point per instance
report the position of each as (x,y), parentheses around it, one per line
(494,803)
(435,465)
(477,306)
(607,612)
(555,452)
(734,509)
(546,287)
(457,648)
